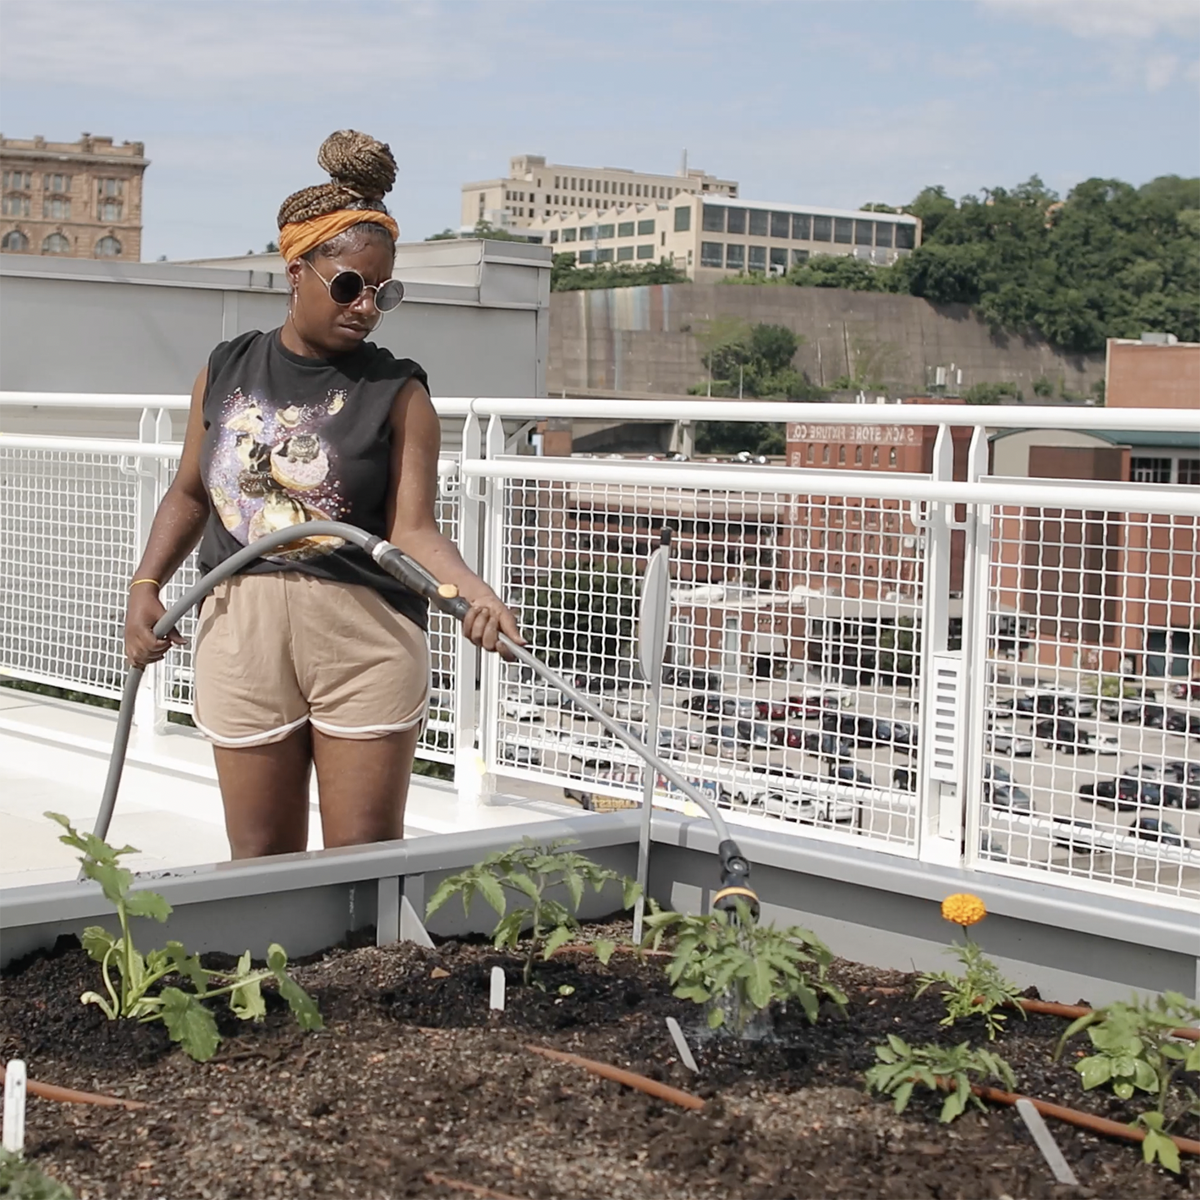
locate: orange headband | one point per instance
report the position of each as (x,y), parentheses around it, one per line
(299,237)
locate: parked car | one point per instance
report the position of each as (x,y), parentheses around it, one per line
(1074,835)
(1154,829)
(1007,795)
(828,745)
(994,770)
(725,738)
(904,779)
(686,677)
(1124,794)
(704,703)
(1055,704)
(1009,744)
(680,739)
(1186,690)
(1182,772)
(806,809)
(849,773)
(1155,716)
(521,756)
(1066,736)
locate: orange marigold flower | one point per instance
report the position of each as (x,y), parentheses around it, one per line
(963,909)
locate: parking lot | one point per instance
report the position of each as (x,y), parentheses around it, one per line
(784,750)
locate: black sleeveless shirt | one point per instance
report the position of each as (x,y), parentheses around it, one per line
(289,439)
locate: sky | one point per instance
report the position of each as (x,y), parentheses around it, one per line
(801,101)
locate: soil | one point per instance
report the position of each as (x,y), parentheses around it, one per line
(411,1081)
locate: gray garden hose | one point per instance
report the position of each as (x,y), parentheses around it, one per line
(735,869)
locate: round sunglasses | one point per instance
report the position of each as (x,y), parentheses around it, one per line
(347,286)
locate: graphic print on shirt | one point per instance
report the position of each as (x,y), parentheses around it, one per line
(271,469)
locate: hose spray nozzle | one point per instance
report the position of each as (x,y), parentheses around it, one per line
(735,881)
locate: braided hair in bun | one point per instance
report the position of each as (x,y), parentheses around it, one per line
(361,172)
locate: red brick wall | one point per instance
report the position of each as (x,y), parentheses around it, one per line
(1146,376)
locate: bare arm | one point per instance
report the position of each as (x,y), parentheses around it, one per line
(175,531)
(416,442)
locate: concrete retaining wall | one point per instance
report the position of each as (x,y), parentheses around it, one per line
(645,339)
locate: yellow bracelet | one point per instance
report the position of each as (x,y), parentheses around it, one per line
(153,581)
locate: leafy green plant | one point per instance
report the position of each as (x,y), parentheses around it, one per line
(129,976)
(902,1067)
(739,968)
(23,1180)
(527,873)
(979,991)
(1135,1051)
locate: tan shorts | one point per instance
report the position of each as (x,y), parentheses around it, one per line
(274,651)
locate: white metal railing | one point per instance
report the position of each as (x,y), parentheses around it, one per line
(851,652)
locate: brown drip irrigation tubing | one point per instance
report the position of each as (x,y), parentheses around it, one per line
(651,1087)
(1083,1120)
(1071,1011)
(588,948)
(48,1091)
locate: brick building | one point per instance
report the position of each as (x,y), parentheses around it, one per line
(76,199)
(1114,591)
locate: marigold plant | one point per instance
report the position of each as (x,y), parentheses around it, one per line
(964,909)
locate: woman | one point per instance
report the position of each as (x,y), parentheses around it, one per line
(312,657)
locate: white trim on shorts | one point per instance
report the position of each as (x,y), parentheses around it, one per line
(347,730)
(253,739)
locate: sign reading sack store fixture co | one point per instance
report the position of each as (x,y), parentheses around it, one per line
(884,435)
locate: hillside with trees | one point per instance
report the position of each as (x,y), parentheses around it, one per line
(1110,260)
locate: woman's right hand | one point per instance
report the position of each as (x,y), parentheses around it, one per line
(145,610)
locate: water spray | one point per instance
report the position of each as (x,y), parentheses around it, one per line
(734,867)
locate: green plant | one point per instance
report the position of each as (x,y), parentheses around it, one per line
(902,1067)
(528,872)
(1135,1051)
(739,968)
(186,1018)
(24,1180)
(979,991)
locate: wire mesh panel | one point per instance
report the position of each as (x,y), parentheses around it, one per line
(67,547)
(1091,722)
(794,634)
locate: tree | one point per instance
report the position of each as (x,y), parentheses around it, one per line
(446,235)
(566,275)
(485,229)
(840,271)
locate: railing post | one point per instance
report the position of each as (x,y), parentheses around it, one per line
(468,773)
(941,759)
(149,716)
(492,573)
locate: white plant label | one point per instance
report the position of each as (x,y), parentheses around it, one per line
(497,1000)
(14,1106)
(1046,1143)
(681,1045)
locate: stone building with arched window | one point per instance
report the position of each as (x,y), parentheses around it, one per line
(76,199)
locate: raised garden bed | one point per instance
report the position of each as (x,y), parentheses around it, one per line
(412,1083)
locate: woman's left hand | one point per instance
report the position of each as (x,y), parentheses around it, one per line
(488,618)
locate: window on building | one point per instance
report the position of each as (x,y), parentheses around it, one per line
(883,233)
(825,454)
(56,208)
(646,251)
(587,256)
(1150,470)
(892,457)
(713,218)
(645,227)
(906,237)
(759,222)
(589,185)
(1189,471)
(758,258)
(735,258)
(841,456)
(781,225)
(15,242)
(864,233)
(108,247)
(15,206)
(568,235)
(711,254)
(556,183)
(17,181)
(553,236)
(109,210)
(875,457)
(802,227)
(843,230)
(624,254)
(779,258)
(606,187)
(56,183)
(56,243)
(604,231)
(625,229)
(587,233)
(662,238)
(822,229)
(858,456)
(736,220)
(799,256)
(812,453)
(683,218)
